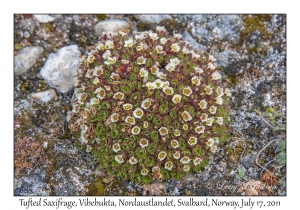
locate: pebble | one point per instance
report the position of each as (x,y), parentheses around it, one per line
(26,58)
(111,25)
(45,96)
(152,18)
(44,18)
(249,160)
(59,68)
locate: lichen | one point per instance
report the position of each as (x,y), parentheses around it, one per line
(147,105)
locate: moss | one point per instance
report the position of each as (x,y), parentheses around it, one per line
(96,188)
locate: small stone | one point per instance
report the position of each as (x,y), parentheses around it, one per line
(26,58)
(111,25)
(249,160)
(44,18)
(59,68)
(151,18)
(45,96)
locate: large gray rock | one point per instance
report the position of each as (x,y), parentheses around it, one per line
(26,58)
(152,18)
(45,96)
(111,25)
(59,68)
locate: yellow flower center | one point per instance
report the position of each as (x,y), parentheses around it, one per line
(139,113)
(185,127)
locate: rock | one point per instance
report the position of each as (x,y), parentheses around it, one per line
(188,38)
(59,68)
(152,18)
(28,24)
(249,160)
(44,18)
(111,25)
(214,28)
(26,58)
(254,40)
(45,96)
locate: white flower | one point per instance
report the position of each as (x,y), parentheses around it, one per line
(210,142)
(139,48)
(210,121)
(83,138)
(216,75)
(177,36)
(158,83)
(110,60)
(203,117)
(213,148)
(160,29)
(170,67)
(154,69)
(185,160)
(144,171)
(219,91)
(76,108)
(219,120)
(119,95)
(155,168)
(114,117)
(91,58)
(138,113)
(140,37)
(197,161)
(141,60)
(88,148)
(186,167)
(176,98)
(203,104)
(200,129)
(153,36)
(168,90)
(186,116)
(176,132)
(163,131)
(129,43)
(211,58)
(89,73)
(161,75)
(101,93)
(133,160)
(211,66)
(116,147)
(165,84)
(130,120)
(146,103)
(106,54)
(162,155)
(145,124)
(185,127)
(185,50)
(135,130)
(127,106)
(194,55)
(151,85)
(96,81)
(115,76)
(208,90)
(109,44)
(196,80)
(216,140)
(119,159)
(175,47)
(176,61)
(143,72)
(219,100)
(98,71)
(227,92)
(169,165)
(159,49)
(163,40)
(187,91)
(176,155)
(198,70)
(213,109)
(144,143)
(192,141)
(122,33)
(174,144)
(101,47)
(94,101)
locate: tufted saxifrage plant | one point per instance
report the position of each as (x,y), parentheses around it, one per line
(149,106)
